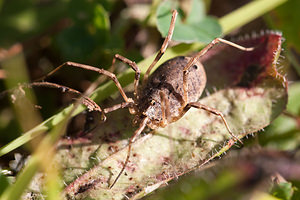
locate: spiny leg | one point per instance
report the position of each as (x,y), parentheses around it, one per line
(216,112)
(163,47)
(136,133)
(195,58)
(134,66)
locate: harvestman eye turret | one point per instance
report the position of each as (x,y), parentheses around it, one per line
(164,96)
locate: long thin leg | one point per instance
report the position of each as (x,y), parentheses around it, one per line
(136,133)
(163,47)
(134,66)
(216,112)
(89,103)
(91,68)
(195,58)
(117,106)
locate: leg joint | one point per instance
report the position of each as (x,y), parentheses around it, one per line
(68,63)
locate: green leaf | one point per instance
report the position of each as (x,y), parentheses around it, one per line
(197,13)
(197,27)
(283,191)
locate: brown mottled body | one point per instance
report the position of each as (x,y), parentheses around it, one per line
(168,79)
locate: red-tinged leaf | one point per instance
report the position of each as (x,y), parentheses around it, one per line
(251,93)
(228,66)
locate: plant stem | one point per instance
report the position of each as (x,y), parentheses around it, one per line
(247,13)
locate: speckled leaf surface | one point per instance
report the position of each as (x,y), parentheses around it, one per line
(244,86)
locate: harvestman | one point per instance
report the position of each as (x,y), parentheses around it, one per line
(165,96)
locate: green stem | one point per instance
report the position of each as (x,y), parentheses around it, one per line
(247,13)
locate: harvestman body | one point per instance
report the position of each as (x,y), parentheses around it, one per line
(166,95)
